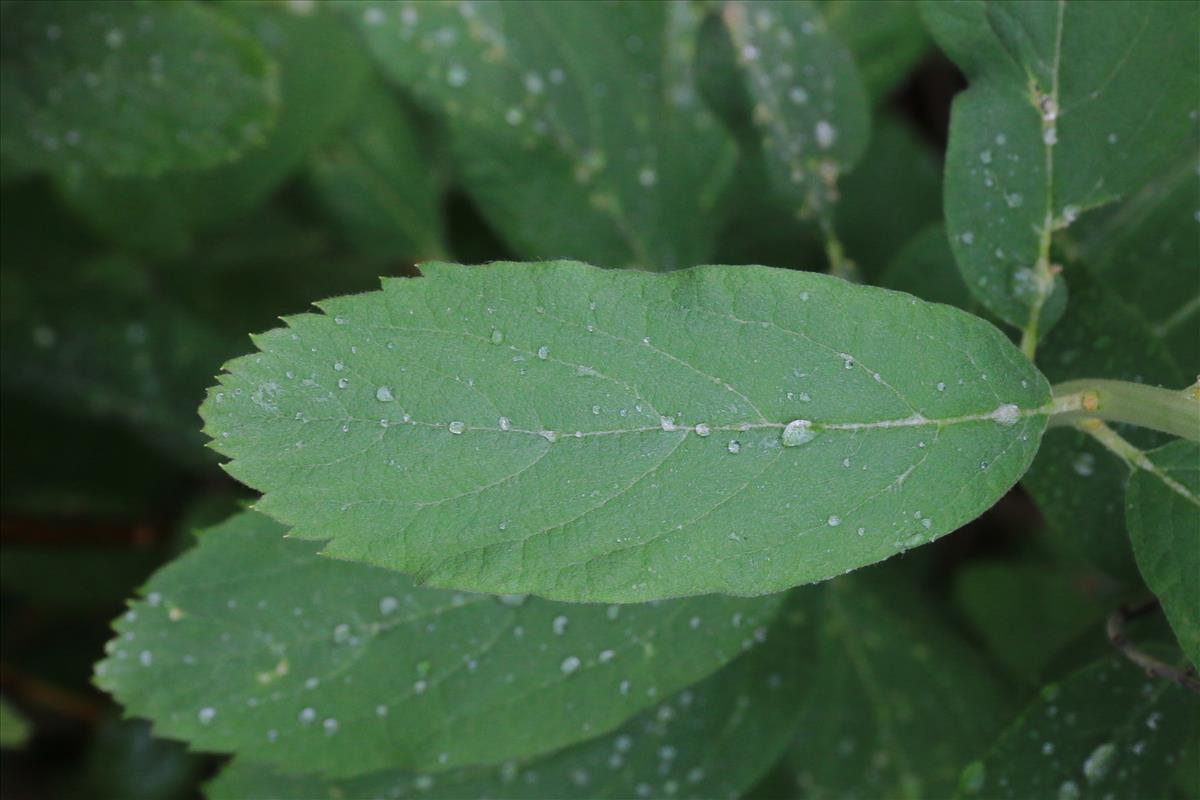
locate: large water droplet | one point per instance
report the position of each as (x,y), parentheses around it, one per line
(797,432)
(1098,764)
(457,427)
(384,395)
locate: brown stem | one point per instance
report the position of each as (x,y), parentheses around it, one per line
(1152,666)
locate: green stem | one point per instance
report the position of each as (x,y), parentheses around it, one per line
(839,265)
(1167,410)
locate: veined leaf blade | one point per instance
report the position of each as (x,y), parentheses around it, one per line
(586,434)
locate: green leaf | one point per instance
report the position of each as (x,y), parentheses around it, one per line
(809,105)
(575,126)
(322,72)
(899,703)
(589,434)
(125,88)
(378,184)
(1071,106)
(1163,512)
(1106,731)
(925,267)
(894,190)
(1028,612)
(1154,230)
(886,38)
(14,728)
(252,643)
(713,739)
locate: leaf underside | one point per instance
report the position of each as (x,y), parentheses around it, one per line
(584,434)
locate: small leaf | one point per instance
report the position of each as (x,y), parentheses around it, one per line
(809,105)
(14,728)
(377,181)
(321,71)
(125,88)
(251,643)
(575,125)
(1071,105)
(713,739)
(1163,512)
(1070,746)
(898,703)
(589,434)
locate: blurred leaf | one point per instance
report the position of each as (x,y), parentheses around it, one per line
(1106,731)
(1071,105)
(1028,612)
(452,402)
(126,761)
(710,740)
(925,267)
(378,183)
(1163,512)
(14,728)
(899,702)
(575,126)
(76,578)
(126,88)
(342,668)
(809,106)
(896,189)
(322,71)
(1154,231)
(886,38)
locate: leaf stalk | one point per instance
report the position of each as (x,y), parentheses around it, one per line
(1166,410)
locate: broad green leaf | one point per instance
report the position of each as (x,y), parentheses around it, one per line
(252,643)
(1071,106)
(126,88)
(14,728)
(322,72)
(899,702)
(713,739)
(1163,513)
(589,434)
(809,106)
(377,183)
(1106,731)
(575,126)
(1027,612)
(885,37)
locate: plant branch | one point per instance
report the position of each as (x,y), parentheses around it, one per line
(1167,410)
(1153,667)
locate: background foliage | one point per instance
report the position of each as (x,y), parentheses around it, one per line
(174,176)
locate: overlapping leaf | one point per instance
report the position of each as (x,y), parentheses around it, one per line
(1163,512)
(322,72)
(885,37)
(379,183)
(1071,105)
(126,88)
(1070,745)
(809,106)
(588,434)
(713,739)
(575,125)
(898,704)
(251,643)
